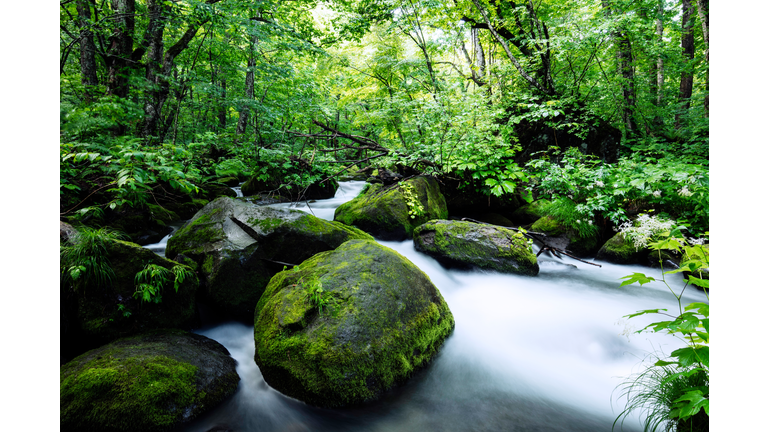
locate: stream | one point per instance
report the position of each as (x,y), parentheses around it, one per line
(541,353)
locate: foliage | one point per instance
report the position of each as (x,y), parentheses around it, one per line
(583,188)
(675,389)
(130,168)
(153,278)
(84,258)
(415,209)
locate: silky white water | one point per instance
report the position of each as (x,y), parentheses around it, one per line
(541,353)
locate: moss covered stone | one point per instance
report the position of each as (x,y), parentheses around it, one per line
(105,313)
(619,250)
(471,245)
(382,319)
(151,382)
(237,247)
(384,211)
(549,226)
(529,213)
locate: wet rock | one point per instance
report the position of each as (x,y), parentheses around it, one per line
(236,247)
(471,245)
(151,382)
(381,319)
(392,212)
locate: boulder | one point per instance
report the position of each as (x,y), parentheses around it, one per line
(150,382)
(471,245)
(381,319)
(529,213)
(109,311)
(392,212)
(236,247)
(619,250)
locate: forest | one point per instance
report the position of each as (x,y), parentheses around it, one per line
(573,118)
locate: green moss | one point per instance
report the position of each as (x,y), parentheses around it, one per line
(384,320)
(548,225)
(468,244)
(111,391)
(386,213)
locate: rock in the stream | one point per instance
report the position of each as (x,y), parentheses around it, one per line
(381,319)
(392,212)
(150,382)
(236,247)
(471,245)
(103,313)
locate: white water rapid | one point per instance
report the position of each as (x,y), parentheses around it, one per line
(541,353)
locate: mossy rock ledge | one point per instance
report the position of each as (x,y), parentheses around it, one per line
(104,313)
(471,245)
(151,382)
(235,247)
(383,319)
(383,211)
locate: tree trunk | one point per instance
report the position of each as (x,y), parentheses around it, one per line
(161,88)
(242,122)
(120,47)
(87,48)
(222,104)
(686,78)
(626,68)
(703,6)
(658,88)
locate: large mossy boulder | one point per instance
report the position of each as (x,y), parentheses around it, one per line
(150,382)
(471,245)
(382,318)
(237,247)
(392,212)
(109,311)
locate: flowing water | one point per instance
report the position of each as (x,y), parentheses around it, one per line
(541,353)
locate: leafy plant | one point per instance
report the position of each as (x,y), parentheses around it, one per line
(84,261)
(674,390)
(153,278)
(415,208)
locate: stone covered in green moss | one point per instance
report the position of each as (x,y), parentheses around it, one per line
(105,313)
(471,245)
(382,318)
(529,213)
(387,213)
(582,247)
(619,250)
(549,226)
(151,382)
(236,247)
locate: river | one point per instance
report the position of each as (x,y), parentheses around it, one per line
(541,353)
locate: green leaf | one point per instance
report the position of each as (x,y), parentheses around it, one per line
(636,277)
(689,356)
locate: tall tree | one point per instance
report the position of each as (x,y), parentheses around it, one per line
(703,6)
(87,47)
(686,77)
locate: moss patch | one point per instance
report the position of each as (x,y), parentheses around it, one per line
(549,226)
